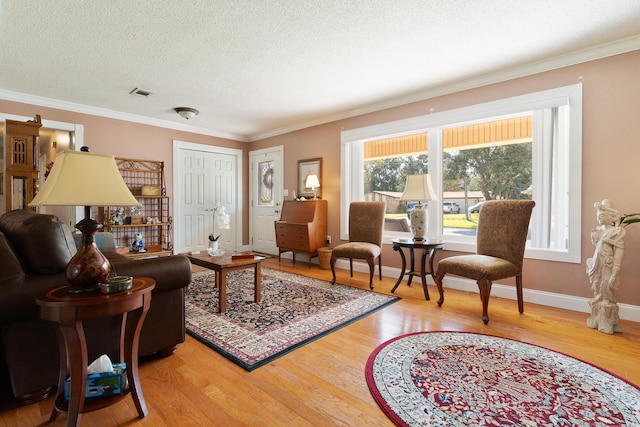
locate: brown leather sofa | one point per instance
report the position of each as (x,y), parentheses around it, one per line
(34,251)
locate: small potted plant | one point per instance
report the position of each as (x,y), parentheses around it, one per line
(213,241)
(627,219)
(223,220)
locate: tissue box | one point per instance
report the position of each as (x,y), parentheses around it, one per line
(103,384)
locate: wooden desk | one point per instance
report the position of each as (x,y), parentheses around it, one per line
(302,227)
(429,246)
(222,265)
(128,310)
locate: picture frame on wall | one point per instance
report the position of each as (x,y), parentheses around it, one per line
(305,168)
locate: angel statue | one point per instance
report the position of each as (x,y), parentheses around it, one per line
(603,268)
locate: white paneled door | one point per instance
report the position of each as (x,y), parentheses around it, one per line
(266,197)
(205,180)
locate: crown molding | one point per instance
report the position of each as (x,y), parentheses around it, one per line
(585,55)
(112,114)
(589,54)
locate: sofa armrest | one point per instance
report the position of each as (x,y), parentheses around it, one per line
(18,296)
(11,267)
(172,272)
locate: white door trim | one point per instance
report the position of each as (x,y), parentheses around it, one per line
(278,181)
(177,173)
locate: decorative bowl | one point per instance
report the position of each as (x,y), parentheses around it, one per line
(116,284)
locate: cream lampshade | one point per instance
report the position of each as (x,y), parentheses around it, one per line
(312,182)
(80,178)
(417,189)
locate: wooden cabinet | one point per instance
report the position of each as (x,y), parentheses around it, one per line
(21,162)
(302,227)
(145,179)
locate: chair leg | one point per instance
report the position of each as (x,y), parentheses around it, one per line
(372,267)
(351,266)
(333,270)
(438,279)
(379,267)
(484,285)
(519,291)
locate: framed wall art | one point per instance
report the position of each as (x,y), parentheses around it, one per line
(305,168)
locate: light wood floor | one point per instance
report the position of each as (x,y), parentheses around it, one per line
(322,383)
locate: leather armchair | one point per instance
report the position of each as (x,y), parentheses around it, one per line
(34,251)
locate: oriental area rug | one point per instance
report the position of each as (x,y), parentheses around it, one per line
(469,379)
(294,310)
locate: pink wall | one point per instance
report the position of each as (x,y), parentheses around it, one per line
(611,125)
(127,139)
(611,153)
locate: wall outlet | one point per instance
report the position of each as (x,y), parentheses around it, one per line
(328,240)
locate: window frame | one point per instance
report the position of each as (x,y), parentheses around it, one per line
(352,158)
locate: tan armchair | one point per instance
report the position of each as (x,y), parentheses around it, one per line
(501,239)
(366,222)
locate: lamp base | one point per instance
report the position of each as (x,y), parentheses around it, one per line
(417,217)
(88,267)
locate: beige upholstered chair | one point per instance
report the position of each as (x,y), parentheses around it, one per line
(501,239)
(366,222)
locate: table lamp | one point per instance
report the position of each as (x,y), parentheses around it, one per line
(417,189)
(313,183)
(80,178)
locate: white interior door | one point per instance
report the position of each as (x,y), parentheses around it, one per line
(266,197)
(203,180)
(195,219)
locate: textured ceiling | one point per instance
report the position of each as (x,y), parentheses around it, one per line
(256,68)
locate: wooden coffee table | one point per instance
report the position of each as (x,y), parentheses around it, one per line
(222,265)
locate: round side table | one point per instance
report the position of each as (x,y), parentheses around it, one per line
(428,246)
(128,310)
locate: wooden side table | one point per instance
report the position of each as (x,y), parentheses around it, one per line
(128,310)
(429,246)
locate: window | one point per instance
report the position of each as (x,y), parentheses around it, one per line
(523,147)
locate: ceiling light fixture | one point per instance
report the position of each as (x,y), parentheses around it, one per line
(186,112)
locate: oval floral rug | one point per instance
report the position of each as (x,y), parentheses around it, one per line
(469,379)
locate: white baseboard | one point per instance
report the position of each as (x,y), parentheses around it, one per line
(549,299)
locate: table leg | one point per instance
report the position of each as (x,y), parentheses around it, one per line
(432,255)
(423,274)
(413,268)
(63,372)
(221,281)
(404,267)
(77,356)
(133,326)
(257,281)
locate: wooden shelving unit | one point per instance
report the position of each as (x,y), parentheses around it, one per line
(146,180)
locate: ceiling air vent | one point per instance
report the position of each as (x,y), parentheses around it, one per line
(140,92)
